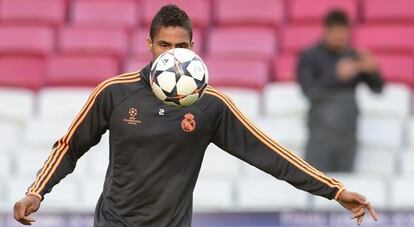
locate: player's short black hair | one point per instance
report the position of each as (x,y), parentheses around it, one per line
(171,15)
(336,17)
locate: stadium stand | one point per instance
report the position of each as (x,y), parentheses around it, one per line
(237,41)
(284,68)
(402,197)
(105,14)
(296,38)
(13,75)
(198,11)
(227,73)
(52,52)
(265,13)
(46,12)
(14,41)
(79,70)
(284,100)
(92,41)
(312,12)
(382,38)
(387,12)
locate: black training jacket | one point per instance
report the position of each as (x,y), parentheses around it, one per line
(156,152)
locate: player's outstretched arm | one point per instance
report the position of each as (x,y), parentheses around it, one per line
(26,206)
(357,204)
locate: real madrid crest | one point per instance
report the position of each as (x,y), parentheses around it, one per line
(188,124)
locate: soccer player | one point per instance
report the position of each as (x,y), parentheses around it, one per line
(156,150)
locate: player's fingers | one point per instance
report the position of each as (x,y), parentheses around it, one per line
(359,213)
(361,199)
(360,220)
(372,212)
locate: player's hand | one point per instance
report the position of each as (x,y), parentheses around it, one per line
(357,204)
(346,69)
(25,207)
(366,63)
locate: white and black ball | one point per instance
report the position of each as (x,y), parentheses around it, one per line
(178,77)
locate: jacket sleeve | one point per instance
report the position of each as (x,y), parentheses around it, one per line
(84,132)
(239,137)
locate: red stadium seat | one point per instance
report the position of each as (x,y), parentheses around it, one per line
(24,72)
(106,13)
(238,73)
(397,68)
(386,39)
(249,12)
(242,42)
(386,11)
(198,10)
(312,12)
(140,48)
(30,40)
(296,38)
(48,12)
(135,64)
(284,68)
(93,41)
(79,70)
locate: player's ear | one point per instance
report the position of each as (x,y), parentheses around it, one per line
(149,43)
(192,45)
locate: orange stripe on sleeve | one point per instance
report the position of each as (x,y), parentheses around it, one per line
(58,153)
(273,145)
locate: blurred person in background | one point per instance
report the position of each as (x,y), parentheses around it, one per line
(328,73)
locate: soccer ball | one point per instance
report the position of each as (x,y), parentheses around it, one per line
(178,77)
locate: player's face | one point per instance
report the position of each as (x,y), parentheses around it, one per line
(337,37)
(169,38)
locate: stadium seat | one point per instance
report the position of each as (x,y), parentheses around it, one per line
(10,135)
(5,166)
(64,197)
(382,39)
(92,41)
(394,101)
(14,40)
(397,69)
(198,11)
(12,74)
(407,167)
(306,12)
(269,194)
(51,130)
(380,133)
(218,164)
(270,13)
(401,193)
(247,100)
(284,68)
(134,64)
(242,42)
(385,11)
(98,158)
(140,48)
(91,190)
(80,70)
(252,74)
(105,13)
(295,39)
(367,160)
(66,102)
(363,184)
(213,195)
(284,100)
(291,133)
(22,100)
(46,12)
(410,135)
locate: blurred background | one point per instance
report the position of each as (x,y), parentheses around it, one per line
(53,52)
